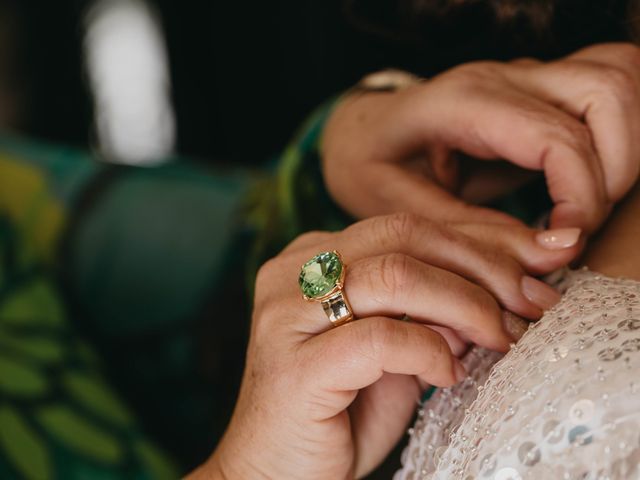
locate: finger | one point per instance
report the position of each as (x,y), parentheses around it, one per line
(383,411)
(537,251)
(457,345)
(535,135)
(394,285)
(446,248)
(356,355)
(607,98)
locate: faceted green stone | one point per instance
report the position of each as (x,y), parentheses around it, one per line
(320,274)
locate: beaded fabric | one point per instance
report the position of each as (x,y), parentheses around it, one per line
(564,403)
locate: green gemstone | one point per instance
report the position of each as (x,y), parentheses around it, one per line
(320,274)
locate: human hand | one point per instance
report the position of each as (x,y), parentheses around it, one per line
(320,403)
(576,119)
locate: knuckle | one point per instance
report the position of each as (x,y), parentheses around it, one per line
(474,73)
(394,274)
(447,234)
(314,235)
(617,83)
(629,52)
(399,227)
(267,301)
(498,264)
(266,273)
(484,304)
(382,333)
(525,62)
(577,132)
(308,238)
(573,135)
(374,338)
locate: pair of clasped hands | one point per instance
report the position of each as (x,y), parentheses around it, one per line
(330,403)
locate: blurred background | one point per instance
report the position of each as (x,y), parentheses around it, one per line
(230,68)
(215,71)
(144,274)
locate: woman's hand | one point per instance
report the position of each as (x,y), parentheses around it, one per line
(576,119)
(320,403)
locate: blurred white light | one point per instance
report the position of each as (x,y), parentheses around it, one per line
(127,67)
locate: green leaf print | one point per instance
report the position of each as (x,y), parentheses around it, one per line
(97,397)
(44,350)
(159,467)
(22,447)
(78,434)
(19,379)
(35,303)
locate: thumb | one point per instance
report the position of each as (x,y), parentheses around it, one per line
(356,355)
(569,215)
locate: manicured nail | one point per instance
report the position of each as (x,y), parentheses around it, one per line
(514,325)
(539,293)
(558,238)
(459,371)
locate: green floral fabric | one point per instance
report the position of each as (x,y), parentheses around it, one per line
(59,418)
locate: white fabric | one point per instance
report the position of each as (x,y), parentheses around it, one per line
(564,403)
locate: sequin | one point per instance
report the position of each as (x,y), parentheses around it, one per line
(629,324)
(605,334)
(562,404)
(488,464)
(580,435)
(529,454)
(582,343)
(552,431)
(631,345)
(609,354)
(507,473)
(581,411)
(558,353)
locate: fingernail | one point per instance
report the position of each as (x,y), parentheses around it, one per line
(458,370)
(558,238)
(539,293)
(514,325)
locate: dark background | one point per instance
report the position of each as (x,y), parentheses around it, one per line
(246,73)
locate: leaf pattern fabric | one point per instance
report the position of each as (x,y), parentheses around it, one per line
(59,418)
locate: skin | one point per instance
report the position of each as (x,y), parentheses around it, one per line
(614,251)
(331,403)
(576,120)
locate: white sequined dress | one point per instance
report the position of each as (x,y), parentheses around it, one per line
(564,403)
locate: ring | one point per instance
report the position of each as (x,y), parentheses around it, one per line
(322,280)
